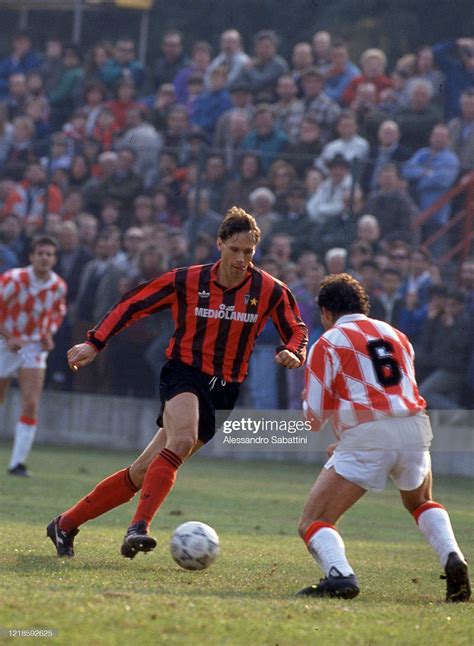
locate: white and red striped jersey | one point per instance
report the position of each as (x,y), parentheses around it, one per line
(31,309)
(358,371)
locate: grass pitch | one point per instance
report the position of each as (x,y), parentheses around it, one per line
(247,596)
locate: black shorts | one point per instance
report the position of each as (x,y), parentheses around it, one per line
(213,394)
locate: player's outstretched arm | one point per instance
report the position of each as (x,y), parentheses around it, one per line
(81,355)
(136,304)
(292,330)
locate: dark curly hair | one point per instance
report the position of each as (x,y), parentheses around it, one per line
(238,221)
(341,294)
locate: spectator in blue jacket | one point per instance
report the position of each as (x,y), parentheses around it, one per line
(200,58)
(21,61)
(456,60)
(340,73)
(212,103)
(432,171)
(123,66)
(267,140)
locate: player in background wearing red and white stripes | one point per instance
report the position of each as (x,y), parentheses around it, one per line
(360,375)
(32,307)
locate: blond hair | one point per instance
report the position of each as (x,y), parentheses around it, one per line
(374,53)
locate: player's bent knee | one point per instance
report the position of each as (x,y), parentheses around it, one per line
(321,515)
(411,504)
(413,499)
(305,523)
(302,527)
(137,474)
(182,445)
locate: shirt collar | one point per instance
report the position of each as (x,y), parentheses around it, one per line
(215,280)
(349,318)
(37,283)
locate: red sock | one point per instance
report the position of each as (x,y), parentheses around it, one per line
(159,480)
(111,492)
(30,421)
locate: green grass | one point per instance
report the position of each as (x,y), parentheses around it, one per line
(247,596)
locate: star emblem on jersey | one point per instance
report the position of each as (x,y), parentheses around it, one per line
(253,301)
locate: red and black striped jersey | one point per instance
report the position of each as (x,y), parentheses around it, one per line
(215,326)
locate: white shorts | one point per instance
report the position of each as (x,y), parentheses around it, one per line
(379,454)
(30,356)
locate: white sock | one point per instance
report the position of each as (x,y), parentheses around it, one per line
(24,436)
(327,548)
(436,527)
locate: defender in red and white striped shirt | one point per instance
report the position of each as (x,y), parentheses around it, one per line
(218,311)
(360,375)
(32,307)
(359,371)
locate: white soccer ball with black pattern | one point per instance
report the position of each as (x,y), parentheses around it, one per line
(194,545)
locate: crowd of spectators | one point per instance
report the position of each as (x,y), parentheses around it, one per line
(132,168)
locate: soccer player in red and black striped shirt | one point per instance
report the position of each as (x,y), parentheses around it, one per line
(218,311)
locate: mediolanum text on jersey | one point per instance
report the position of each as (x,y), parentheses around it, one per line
(226,312)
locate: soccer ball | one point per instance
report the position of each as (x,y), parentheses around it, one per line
(194,545)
